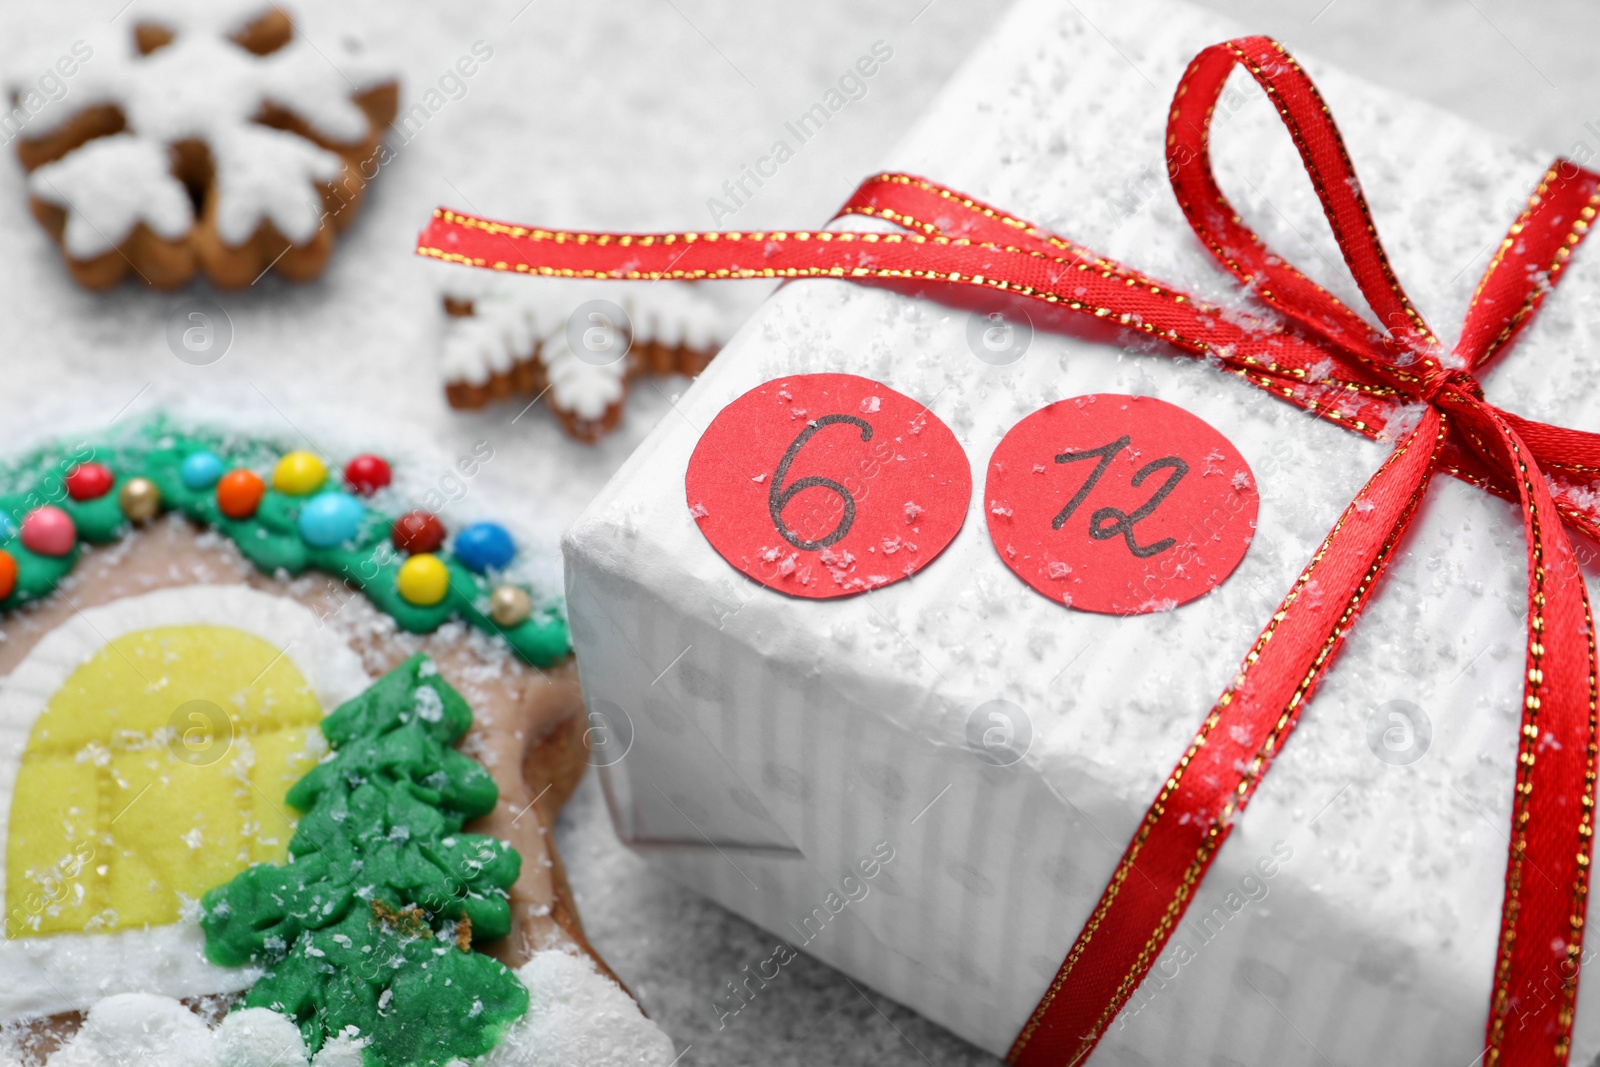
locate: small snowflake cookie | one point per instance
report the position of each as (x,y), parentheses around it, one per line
(213,137)
(576,344)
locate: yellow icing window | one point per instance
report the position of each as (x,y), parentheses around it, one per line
(156,773)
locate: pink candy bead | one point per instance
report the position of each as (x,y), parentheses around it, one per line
(49,531)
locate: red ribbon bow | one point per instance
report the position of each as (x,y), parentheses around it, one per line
(1393,377)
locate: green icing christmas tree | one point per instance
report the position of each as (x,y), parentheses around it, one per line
(370,923)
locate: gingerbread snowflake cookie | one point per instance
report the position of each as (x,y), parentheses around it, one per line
(575,344)
(211,137)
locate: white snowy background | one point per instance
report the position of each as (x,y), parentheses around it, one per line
(632,115)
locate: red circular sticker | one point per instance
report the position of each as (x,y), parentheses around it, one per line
(827,485)
(1119,504)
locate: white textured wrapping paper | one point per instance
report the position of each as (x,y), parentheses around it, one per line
(777,743)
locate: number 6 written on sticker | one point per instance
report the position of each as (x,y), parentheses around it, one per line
(827,485)
(778,497)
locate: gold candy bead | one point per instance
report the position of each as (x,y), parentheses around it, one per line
(509,606)
(140,500)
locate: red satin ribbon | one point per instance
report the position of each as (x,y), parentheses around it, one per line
(1315,353)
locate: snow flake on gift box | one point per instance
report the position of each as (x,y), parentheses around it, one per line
(1319,371)
(1402,422)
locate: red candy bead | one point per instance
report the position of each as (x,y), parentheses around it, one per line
(8,574)
(49,531)
(417,531)
(367,474)
(239,493)
(89,481)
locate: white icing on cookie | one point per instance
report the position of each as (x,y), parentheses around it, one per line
(576,1015)
(189,89)
(585,389)
(513,316)
(499,334)
(258,1037)
(203,87)
(341,1050)
(676,319)
(139,1028)
(146,1028)
(65,971)
(108,187)
(299,78)
(266,175)
(202,83)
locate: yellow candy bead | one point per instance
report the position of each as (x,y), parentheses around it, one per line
(299,474)
(423,580)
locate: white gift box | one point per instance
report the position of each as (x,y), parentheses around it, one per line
(812,764)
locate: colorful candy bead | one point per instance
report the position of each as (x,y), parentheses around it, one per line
(8,574)
(510,606)
(139,499)
(239,493)
(49,531)
(417,531)
(484,546)
(423,580)
(367,474)
(299,474)
(90,481)
(200,470)
(8,528)
(330,519)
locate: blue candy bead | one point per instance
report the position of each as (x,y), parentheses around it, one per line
(8,528)
(330,519)
(201,470)
(484,546)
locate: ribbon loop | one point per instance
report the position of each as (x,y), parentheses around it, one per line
(1530,260)
(1239,249)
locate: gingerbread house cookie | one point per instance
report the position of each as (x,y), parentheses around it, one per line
(279,761)
(210,138)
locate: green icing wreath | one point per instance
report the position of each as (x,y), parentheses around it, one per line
(270,538)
